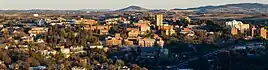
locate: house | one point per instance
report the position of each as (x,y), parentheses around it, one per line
(128,42)
(48,52)
(99,47)
(124,68)
(103,31)
(65,50)
(187,31)
(76,48)
(170,32)
(134,28)
(38,68)
(102,27)
(160,42)
(78,68)
(38,30)
(27,39)
(166,27)
(133,34)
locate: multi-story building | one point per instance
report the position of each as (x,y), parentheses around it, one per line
(146,42)
(234,31)
(233,23)
(242,27)
(159,20)
(263,33)
(114,41)
(253,31)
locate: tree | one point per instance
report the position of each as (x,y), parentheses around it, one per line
(143,68)
(111,67)
(33,62)
(4,56)
(135,67)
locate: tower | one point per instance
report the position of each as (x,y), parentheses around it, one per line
(159,20)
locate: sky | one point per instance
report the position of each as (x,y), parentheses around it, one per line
(113,4)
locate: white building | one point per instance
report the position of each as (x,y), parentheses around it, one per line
(233,23)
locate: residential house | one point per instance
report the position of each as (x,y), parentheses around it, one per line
(128,42)
(133,34)
(38,30)
(232,23)
(99,47)
(187,31)
(160,42)
(104,32)
(134,28)
(66,50)
(166,27)
(38,68)
(78,68)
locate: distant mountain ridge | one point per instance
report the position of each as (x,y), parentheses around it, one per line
(134,8)
(233,8)
(228,8)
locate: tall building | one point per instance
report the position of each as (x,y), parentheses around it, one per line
(252,31)
(263,33)
(159,20)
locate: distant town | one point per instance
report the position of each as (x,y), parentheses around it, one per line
(134,38)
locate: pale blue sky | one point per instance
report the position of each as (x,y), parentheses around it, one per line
(113,4)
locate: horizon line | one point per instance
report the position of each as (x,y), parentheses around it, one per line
(133,5)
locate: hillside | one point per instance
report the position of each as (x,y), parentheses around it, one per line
(233,8)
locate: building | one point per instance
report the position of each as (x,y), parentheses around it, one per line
(253,31)
(159,20)
(103,31)
(263,33)
(242,27)
(133,34)
(146,42)
(233,23)
(38,30)
(187,31)
(78,68)
(188,19)
(234,31)
(114,41)
(86,21)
